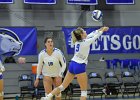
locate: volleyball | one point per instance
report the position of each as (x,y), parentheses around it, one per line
(97,15)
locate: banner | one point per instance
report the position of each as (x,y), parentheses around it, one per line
(83,2)
(40,1)
(119,1)
(18,41)
(6,1)
(116,40)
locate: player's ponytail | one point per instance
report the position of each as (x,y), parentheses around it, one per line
(76,34)
(73,37)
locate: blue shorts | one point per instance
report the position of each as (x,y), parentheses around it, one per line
(1,76)
(76,68)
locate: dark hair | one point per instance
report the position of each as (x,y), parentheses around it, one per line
(45,40)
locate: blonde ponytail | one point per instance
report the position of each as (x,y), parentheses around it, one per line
(73,37)
(76,34)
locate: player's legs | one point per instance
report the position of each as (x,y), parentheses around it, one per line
(80,71)
(67,80)
(83,81)
(48,82)
(58,82)
(1,89)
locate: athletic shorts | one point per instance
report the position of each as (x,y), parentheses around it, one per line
(76,68)
(1,76)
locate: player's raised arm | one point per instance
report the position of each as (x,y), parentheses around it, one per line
(96,35)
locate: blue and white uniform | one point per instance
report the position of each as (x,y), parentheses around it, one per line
(2,69)
(51,65)
(82,48)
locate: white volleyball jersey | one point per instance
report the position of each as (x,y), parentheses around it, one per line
(82,48)
(51,65)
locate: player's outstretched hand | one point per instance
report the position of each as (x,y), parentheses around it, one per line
(104,29)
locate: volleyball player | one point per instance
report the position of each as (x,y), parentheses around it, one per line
(52,64)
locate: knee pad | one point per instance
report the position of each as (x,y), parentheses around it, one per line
(59,95)
(1,94)
(84,93)
(61,88)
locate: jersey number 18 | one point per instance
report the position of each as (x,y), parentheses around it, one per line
(50,63)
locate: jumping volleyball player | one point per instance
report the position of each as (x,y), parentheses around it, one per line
(78,63)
